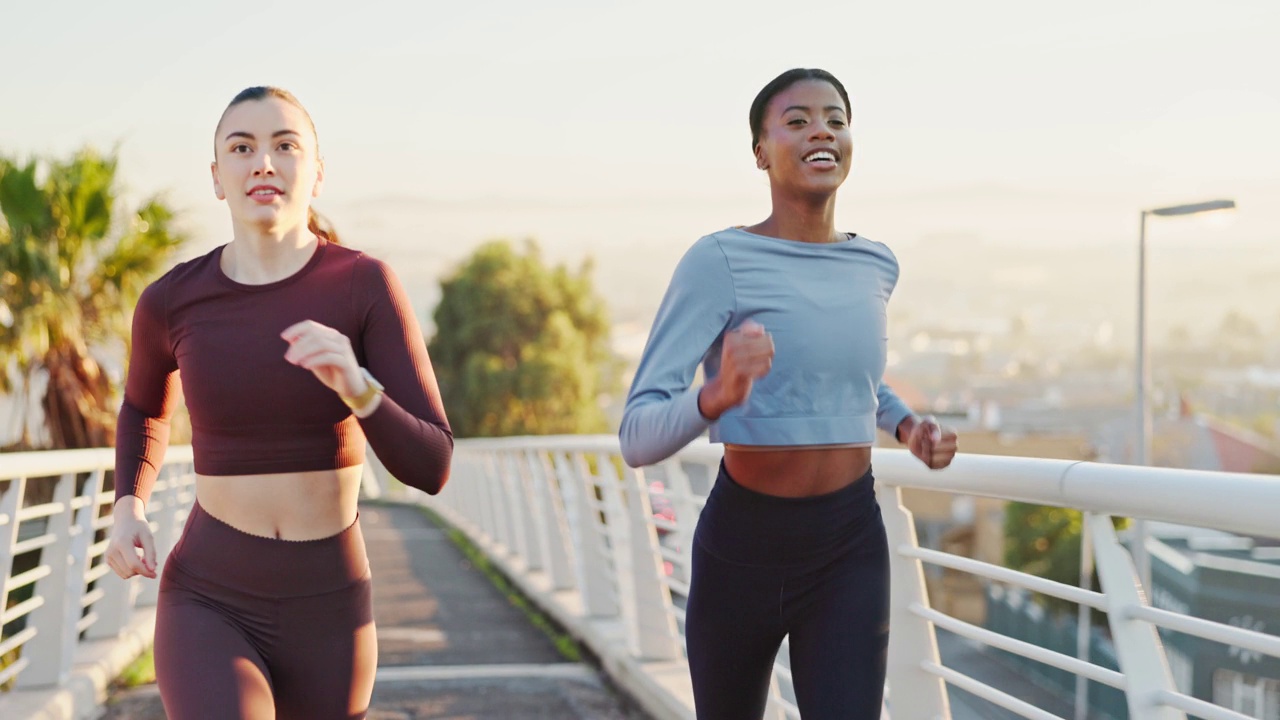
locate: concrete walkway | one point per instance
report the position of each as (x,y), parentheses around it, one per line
(450,645)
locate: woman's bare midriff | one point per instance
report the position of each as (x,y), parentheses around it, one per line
(286,506)
(796,472)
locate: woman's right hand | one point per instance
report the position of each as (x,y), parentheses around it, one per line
(746,356)
(130,533)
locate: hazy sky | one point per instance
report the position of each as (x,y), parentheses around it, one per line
(608,126)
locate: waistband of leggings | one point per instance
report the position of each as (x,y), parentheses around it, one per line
(218,552)
(742,525)
(853,494)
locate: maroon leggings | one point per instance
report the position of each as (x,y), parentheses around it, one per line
(254,627)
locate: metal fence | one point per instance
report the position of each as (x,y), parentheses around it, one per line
(606,549)
(55,511)
(607,541)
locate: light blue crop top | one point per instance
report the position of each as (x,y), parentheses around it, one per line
(825,306)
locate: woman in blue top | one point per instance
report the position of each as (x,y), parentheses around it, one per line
(788,319)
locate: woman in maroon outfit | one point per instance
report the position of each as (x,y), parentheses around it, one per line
(291,350)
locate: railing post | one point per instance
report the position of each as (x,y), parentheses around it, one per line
(466,497)
(500,496)
(680,493)
(10,503)
(1084,618)
(115,607)
(554,530)
(513,505)
(617,531)
(477,506)
(521,513)
(484,492)
(460,497)
(912,643)
(86,527)
(499,517)
(479,466)
(51,649)
(1138,648)
(652,625)
(534,515)
(598,598)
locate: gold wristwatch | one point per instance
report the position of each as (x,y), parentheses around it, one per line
(373,389)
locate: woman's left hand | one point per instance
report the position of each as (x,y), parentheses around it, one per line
(932,443)
(326,353)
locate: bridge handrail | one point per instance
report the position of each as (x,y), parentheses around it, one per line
(577,528)
(57,592)
(538,504)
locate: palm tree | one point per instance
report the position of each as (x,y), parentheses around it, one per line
(72,265)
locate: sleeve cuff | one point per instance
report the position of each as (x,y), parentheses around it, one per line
(651,433)
(689,415)
(893,417)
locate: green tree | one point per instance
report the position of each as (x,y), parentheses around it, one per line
(72,263)
(522,348)
(1044,541)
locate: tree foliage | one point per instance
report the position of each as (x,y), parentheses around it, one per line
(72,264)
(1045,541)
(522,348)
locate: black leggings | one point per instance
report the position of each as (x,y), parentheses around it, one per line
(259,628)
(816,569)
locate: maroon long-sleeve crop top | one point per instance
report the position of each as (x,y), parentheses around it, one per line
(252,412)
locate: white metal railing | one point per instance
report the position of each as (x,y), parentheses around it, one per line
(613,544)
(57,590)
(566,509)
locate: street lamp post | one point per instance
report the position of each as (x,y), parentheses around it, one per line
(1143,401)
(1141,559)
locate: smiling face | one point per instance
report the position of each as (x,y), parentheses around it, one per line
(805,143)
(266,164)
